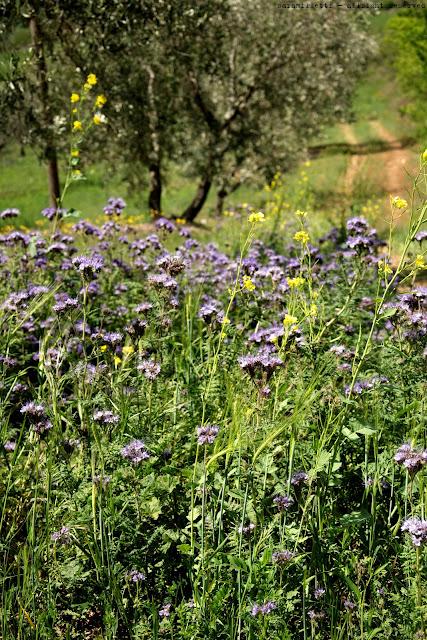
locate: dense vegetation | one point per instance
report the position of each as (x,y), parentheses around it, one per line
(200,443)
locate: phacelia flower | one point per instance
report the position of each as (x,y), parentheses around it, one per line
(136,576)
(412,459)
(135,451)
(105,417)
(149,368)
(298,478)
(263,609)
(9,213)
(206,434)
(283,502)
(283,557)
(417,529)
(62,536)
(88,265)
(165,611)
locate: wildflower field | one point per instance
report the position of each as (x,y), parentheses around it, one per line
(214,442)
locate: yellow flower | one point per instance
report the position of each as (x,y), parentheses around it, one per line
(74,97)
(87,86)
(77,125)
(313,310)
(75,153)
(248,284)
(384,267)
(301,214)
(99,118)
(424,155)
(128,350)
(225,320)
(295,283)
(288,320)
(91,79)
(419,262)
(254,218)
(104,348)
(302,236)
(100,101)
(180,220)
(398,202)
(77,173)
(117,360)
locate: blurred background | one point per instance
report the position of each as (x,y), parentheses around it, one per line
(211,105)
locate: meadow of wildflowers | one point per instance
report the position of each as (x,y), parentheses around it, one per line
(213,442)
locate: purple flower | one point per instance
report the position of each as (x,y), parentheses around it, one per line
(9,213)
(412,459)
(417,529)
(52,212)
(248,529)
(298,478)
(88,265)
(33,410)
(349,605)
(105,417)
(263,609)
(10,445)
(420,236)
(135,451)
(165,611)
(62,536)
(64,303)
(163,224)
(149,368)
(283,557)
(283,502)
(136,576)
(114,206)
(319,592)
(207,434)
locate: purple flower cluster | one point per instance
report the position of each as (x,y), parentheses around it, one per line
(412,459)
(299,478)
(36,414)
(136,576)
(206,434)
(149,368)
(62,536)
(165,611)
(9,213)
(163,224)
(114,207)
(135,451)
(106,417)
(283,557)
(417,529)
(262,364)
(88,266)
(52,212)
(283,502)
(263,609)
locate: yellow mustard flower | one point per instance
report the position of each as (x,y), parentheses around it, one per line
(289,319)
(77,173)
(225,320)
(424,155)
(74,97)
(419,262)
(87,86)
(180,220)
(302,237)
(248,284)
(77,125)
(295,283)
(117,360)
(301,214)
(254,218)
(104,348)
(128,350)
(398,202)
(91,79)
(384,267)
(75,153)
(99,118)
(100,101)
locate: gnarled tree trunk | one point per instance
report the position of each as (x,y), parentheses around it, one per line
(199,199)
(155,192)
(49,150)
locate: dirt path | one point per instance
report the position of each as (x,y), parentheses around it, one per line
(355,161)
(389,168)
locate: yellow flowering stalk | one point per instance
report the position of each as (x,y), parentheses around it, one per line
(289,320)
(302,237)
(100,101)
(74,98)
(255,218)
(248,284)
(295,283)
(419,262)
(398,202)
